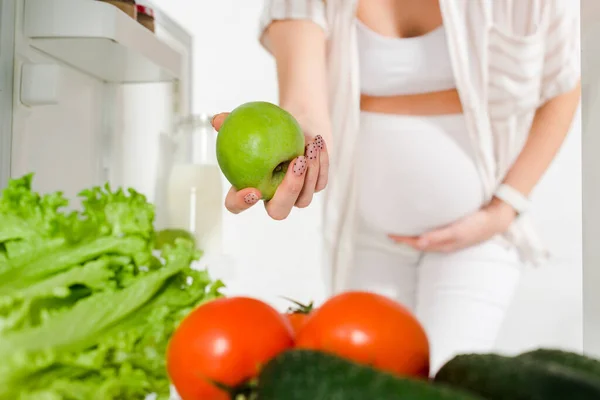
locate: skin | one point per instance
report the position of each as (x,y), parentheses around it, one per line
(299,50)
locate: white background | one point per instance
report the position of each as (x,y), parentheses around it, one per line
(283,258)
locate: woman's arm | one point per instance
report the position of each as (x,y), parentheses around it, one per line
(560,94)
(549,129)
(299,49)
(551,124)
(298,45)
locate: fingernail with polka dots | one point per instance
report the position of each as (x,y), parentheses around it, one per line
(312,151)
(319,142)
(299,166)
(250,198)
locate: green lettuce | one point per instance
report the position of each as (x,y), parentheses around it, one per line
(87,300)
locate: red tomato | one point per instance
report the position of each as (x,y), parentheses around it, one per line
(298,315)
(370,329)
(297,321)
(224,341)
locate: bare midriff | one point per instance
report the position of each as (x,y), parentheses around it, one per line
(434,103)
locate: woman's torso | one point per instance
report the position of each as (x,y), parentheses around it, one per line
(417,166)
(489,42)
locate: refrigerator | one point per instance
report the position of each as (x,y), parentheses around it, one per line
(88,94)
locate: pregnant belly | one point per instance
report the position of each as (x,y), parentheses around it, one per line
(415,173)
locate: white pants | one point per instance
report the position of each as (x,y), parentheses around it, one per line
(460,298)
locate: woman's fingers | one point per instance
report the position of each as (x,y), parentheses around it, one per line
(441,240)
(407,240)
(286,195)
(306,176)
(218,119)
(318,171)
(323,164)
(439,237)
(312,175)
(238,201)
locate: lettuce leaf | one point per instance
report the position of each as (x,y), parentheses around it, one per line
(87,301)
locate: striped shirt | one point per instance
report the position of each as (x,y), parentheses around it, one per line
(508,56)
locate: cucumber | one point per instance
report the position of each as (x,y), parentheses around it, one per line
(313,375)
(578,362)
(497,377)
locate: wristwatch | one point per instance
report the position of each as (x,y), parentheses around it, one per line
(511,196)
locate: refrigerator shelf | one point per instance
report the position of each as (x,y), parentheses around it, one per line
(100,40)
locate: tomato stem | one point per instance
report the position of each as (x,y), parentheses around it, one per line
(301,308)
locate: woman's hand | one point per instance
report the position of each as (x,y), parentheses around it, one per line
(306,176)
(489,221)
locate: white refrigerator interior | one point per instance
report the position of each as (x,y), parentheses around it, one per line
(87,94)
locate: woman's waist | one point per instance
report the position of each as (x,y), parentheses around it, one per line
(422,104)
(434,124)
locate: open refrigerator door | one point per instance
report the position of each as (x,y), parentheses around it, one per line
(93,91)
(94,96)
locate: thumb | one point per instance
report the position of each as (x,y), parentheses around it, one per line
(218,119)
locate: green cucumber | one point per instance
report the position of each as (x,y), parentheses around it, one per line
(497,377)
(313,375)
(578,362)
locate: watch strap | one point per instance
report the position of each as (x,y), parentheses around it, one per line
(517,200)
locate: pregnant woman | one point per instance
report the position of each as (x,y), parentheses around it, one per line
(429,123)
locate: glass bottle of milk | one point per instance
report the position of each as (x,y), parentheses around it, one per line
(195,190)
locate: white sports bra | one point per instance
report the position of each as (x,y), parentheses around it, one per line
(399,66)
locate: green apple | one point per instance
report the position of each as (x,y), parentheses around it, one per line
(255,145)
